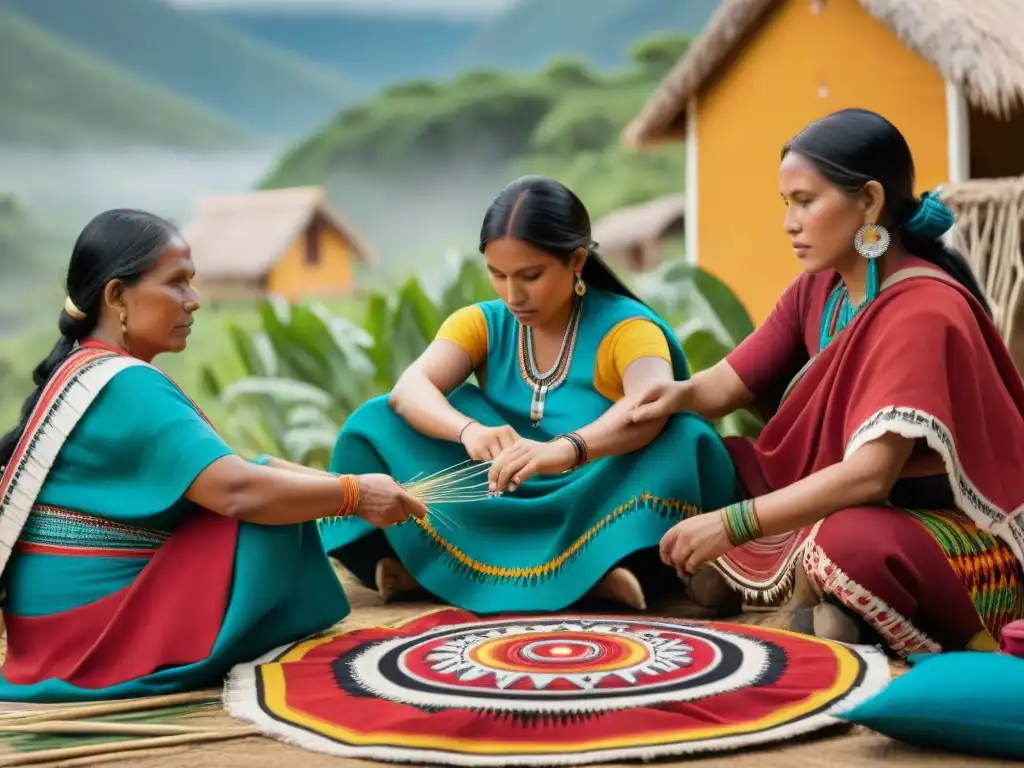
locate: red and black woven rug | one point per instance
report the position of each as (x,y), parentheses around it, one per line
(450,688)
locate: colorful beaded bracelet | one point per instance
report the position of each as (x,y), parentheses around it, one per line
(741,523)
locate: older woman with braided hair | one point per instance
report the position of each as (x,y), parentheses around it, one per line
(147,556)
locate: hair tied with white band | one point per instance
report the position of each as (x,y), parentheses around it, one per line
(72,310)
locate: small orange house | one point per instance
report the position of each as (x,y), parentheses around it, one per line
(948,73)
(286,242)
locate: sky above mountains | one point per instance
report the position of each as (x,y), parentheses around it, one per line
(460,8)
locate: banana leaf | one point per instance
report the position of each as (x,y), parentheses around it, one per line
(265,390)
(703,349)
(379,324)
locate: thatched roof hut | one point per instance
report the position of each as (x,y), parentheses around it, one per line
(290,242)
(948,73)
(634,236)
(976,44)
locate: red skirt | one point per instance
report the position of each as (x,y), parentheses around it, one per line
(920,573)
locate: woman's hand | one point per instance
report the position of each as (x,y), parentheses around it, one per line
(694,541)
(658,400)
(485,443)
(526,458)
(383,502)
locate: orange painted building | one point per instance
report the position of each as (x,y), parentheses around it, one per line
(763,69)
(286,242)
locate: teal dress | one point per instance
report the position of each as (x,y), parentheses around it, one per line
(547,544)
(120,587)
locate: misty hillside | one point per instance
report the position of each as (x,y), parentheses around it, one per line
(374,49)
(531,32)
(414,166)
(383,49)
(54,95)
(254,84)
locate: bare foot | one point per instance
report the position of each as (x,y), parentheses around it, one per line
(832,623)
(804,594)
(797,614)
(709,589)
(621,586)
(392,579)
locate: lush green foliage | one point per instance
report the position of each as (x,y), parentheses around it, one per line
(253,84)
(282,379)
(306,370)
(564,121)
(709,320)
(55,94)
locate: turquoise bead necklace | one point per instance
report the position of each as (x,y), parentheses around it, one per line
(930,221)
(839,311)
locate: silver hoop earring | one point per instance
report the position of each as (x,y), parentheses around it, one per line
(879,240)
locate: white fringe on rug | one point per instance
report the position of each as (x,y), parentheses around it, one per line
(242,702)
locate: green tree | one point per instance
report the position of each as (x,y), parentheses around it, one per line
(656,56)
(417,89)
(569,73)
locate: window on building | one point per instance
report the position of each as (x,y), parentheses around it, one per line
(313,243)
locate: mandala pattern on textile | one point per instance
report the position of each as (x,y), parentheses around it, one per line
(450,688)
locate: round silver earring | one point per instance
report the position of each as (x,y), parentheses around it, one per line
(871,240)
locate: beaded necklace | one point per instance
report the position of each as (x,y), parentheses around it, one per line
(542,383)
(839,312)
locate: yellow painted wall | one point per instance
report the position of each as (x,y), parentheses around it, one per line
(294,279)
(765,97)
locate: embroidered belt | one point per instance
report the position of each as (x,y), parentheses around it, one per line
(55,531)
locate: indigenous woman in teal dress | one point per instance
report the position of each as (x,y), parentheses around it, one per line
(581,498)
(140,555)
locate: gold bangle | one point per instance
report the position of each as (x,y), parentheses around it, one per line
(730,534)
(755,521)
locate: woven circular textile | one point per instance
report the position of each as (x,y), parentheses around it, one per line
(450,688)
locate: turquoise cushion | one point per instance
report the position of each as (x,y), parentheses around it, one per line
(964,701)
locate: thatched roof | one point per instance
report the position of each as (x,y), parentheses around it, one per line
(977,44)
(636,224)
(241,237)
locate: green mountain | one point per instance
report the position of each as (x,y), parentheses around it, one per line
(269,91)
(381,49)
(415,165)
(531,32)
(376,49)
(54,94)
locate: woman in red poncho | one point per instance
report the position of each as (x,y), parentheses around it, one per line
(891,472)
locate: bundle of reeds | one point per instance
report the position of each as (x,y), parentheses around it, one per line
(458,484)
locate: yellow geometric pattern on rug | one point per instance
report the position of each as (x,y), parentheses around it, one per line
(272,684)
(849,749)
